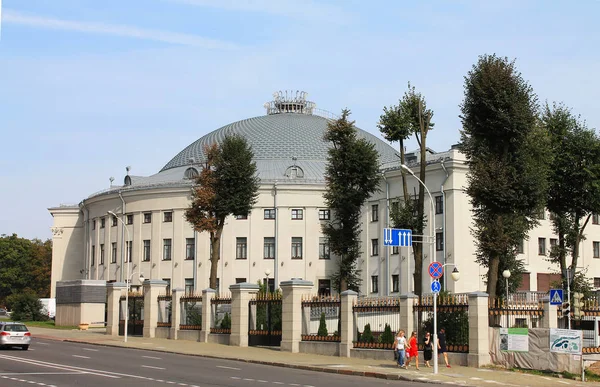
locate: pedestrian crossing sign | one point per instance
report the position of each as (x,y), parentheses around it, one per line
(556,296)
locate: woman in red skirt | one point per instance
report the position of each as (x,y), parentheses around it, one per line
(413,350)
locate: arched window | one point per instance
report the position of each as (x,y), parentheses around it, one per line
(191,173)
(294,172)
(127,180)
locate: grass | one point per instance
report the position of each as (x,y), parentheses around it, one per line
(46,324)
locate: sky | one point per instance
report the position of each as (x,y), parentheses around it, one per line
(89,87)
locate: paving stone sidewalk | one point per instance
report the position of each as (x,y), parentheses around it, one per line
(456,375)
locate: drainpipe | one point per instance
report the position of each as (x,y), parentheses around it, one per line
(444,220)
(387,224)
(86,219)
(122,235)
(276,268)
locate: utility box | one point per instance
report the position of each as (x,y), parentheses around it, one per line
(80,302)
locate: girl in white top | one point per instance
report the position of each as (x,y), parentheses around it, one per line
(400,345)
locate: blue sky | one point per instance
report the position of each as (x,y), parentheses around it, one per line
(89,87)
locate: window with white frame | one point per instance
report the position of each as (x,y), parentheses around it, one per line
(189,286)
(296,248)
(269,213)
(147,217)
(93,258)
(541,246)
(168,217)
(439,241)
(167,248)
(374,247)
(269,248)
(439,205)
(146,256)
(324,214)
(113,255)
(129,219)
(102,253)
(521,247)
(297,214)
(395,283)
(374,213)
(324,248)
(374,284)
(241,248)
(190,249)
(596,249)
(129,248)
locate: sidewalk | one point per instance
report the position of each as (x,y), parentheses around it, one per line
(462,376)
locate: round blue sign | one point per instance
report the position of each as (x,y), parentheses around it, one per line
(436,270)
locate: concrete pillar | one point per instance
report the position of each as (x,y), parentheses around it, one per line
(114,290)
(152,289)
(407,314)
(550,318)
(291,312)
(207,315)
(240,297)
(479,340)
(348,299)
(175,312)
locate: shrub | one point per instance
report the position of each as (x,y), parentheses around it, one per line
(322,326)
(387,337)
(367,336)
(226,322)
(26,307)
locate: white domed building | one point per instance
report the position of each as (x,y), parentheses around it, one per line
(281,238)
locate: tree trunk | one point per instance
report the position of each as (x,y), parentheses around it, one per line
(403,172)
(575,251)
(424,126)
(215,242)
(492,280)
(417,276)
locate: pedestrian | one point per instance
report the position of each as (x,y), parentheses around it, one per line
(442,346)
(413,350)
(400,345)
(427,349)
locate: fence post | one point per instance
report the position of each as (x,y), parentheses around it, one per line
(550,318)
(407,314)
(291,312)
(479,339)
(175,312)
(240,297)
(113,307)
(347,300)
(207,316)
(152,289)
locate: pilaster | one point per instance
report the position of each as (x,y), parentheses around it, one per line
(407,314)
(152,289)
(479,340)
(114,292)
(175,312)
(550,318)
(207,315)
(240,297)
(348,326)
(291,318)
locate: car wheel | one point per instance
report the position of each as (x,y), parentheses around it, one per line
(25,347)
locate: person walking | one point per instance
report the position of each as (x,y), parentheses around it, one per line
(427,349)
(442,349)
(413,350)
(400,345)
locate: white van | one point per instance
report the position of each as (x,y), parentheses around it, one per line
(49,307)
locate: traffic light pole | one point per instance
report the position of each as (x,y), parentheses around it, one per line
(569,296)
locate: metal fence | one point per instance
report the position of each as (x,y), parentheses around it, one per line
(515,314)
(220,306)
(191,312)
(265,319)
(452,316)
(164,310)
(320,318)
(377,320)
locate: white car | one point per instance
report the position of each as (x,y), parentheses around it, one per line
(13,334)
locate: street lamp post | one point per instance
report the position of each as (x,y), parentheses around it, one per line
(455,273)
(506,275)
(434,259)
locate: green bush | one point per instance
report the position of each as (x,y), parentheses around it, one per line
(387,337)
(226,322)
(367,336)
(26,307)
(322,326)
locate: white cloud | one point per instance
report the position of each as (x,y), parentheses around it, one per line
(11,17)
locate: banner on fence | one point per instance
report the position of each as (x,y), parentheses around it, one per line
(514,339)
(566,341)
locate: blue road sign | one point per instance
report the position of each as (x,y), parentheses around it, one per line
(397,237)
(556,297)
(436,270)
(436,286)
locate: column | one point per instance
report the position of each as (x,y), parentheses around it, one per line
(291,312)
(550,318)
(479,340)
(407,314)
(348,299)
(240,297)
(176,312)
(207,316)
(114,289)
(152,288)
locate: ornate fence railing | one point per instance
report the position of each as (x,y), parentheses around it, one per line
(164,310)
(452,316)
(320,318)
(377,321)
(220,306)
(515,314)
(191,312)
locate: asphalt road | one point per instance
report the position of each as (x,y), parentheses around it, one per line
(59,364)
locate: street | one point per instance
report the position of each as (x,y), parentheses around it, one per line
(57,364)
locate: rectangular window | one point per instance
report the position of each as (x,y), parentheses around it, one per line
(114,221)
(324,248)
(553,243)
(595,219)
(541,246)
(296,248)
(521,247)
(269,250)
(166,250)
(297,214)
(374,213)
(241,217)
(102,253)
(94,224)
(168,281)
(129,248)
(270,284)
(113,255)
(439,205)
(146,256)
(439,241)
(270,213)
(241,248)
(374,284)
(597,282)
(190,250)
(324,287)
(240,280)
(374,247)
(596,249)
(147,217)
(129,219)
(541,214)
(395,283)
(93,259)
(324,214)
(102,222)
(395,250)
(189,286)
(168,217)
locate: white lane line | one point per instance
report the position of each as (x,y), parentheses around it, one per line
(154,368)
(152,357)
(249,380)
(236,378)
(90,349)
(81,357)
(40,373)
(181,384)
(294,384)
(262,381)
(308,385)
(230,368)
(278,383)
(560,381)
(41,343)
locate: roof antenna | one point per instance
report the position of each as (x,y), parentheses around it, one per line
(111,181)
(128,168)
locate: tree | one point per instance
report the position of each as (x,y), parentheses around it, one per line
(508,156)
(352,176)
(227,185)
(26,306)
(574,188)
(322,326)
(398,123)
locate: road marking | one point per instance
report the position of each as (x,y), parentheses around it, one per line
(294,384)
(278,383)
(90,349)
(28,381)
(230,368)
(154,368)
(40,373)
(82,357)
(181,384)
(235,377)
(474,378)
(263,381)
(152,357)
(249,380)
(560,381)
(41,343)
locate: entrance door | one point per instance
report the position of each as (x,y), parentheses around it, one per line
(265,320)
(135,323)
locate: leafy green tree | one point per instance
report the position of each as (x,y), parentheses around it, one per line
(387,337)
(352,176)
(322,326)
(574,192)
(228,185)
(26,306)
(508,155)
(367,335)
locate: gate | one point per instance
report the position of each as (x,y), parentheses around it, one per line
(265,320)
(135,323)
